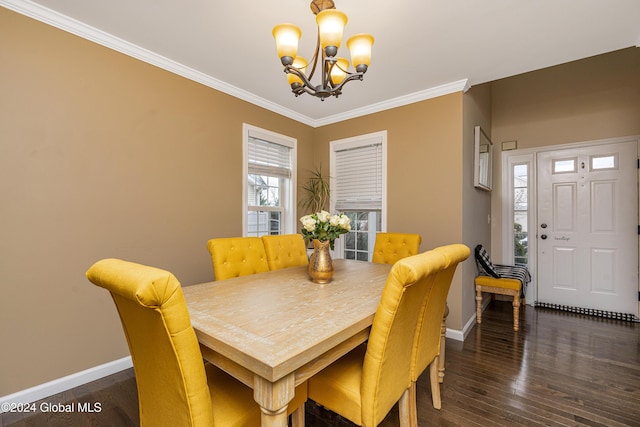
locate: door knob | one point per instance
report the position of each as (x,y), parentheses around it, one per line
(543,237)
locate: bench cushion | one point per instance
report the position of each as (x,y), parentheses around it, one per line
(513,284)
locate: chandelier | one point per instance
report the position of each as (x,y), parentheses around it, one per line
(334,69)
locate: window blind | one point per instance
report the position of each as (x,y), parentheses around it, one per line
(359,178)
(268,158)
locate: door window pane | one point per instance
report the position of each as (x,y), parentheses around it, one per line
(564,165)
(603,162)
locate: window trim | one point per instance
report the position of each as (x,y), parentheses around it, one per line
(356,142)
(509,161)
(250,131)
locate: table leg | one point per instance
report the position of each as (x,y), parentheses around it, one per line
(273,399)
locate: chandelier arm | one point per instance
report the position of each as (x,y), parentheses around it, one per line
(309,90)
(350,77)
(293,70)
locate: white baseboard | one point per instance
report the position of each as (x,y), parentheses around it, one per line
(455,334)
(50,388)
(462,335)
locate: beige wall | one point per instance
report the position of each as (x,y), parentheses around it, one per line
(102,156)
(477,219)
(590,99)
(424,171)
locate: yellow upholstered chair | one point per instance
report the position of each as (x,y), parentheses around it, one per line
(175,387)
(510,280)
(390,247)
(428,339)
(365,384)
(237,256)
(284,251)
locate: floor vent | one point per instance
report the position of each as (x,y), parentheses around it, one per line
(627,317)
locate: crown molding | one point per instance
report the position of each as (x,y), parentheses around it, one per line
(73,26)
(434,92)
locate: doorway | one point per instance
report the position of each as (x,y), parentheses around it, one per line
(583,229)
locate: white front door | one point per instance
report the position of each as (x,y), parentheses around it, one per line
(587,227)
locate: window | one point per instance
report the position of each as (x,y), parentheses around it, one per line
(269,180)
(521,213)
(358,180)
(518,176)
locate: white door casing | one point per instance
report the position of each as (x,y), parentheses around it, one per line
(587,227)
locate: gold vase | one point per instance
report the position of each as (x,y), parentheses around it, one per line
(320,263)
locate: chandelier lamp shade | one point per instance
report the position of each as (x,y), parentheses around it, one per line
(334,69)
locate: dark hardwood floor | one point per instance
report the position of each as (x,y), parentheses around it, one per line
(561,369)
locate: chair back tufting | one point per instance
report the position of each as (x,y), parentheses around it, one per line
(237,256)
(391,247)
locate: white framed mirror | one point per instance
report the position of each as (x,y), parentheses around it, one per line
(483,154)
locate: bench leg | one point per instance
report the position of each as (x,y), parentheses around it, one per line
(516,312)
(478,304)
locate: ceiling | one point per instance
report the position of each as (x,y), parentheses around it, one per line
(422,49)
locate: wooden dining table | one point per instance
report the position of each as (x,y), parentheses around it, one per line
(275,330)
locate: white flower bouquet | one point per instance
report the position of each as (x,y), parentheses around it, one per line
(324,226)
